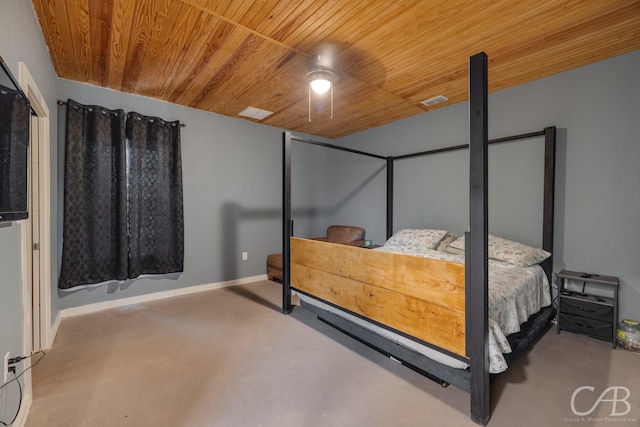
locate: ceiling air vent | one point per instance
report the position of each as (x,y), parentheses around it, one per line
(255,113)
(433,101)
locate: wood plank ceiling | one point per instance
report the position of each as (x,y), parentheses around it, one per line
(225,55)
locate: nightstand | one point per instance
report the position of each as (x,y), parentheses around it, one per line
(587,313)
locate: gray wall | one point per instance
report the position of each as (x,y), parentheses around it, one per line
(596,110)
(21,40)
(358,190)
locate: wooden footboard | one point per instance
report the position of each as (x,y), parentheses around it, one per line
(421,297)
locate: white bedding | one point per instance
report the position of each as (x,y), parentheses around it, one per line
(515,293)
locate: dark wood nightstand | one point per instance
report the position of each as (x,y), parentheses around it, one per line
(587,313)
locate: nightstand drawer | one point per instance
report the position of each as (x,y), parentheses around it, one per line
(584,325)
(586,309)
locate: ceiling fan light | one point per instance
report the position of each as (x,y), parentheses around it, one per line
(320,85)
(321,77)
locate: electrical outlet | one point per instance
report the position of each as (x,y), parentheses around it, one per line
(245,256)
(5,367)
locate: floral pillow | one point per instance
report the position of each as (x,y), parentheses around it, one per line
(505,250)
(416,239)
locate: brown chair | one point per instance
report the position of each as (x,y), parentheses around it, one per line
(343,234)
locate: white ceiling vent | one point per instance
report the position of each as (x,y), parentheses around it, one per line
(435,100)
(255,113)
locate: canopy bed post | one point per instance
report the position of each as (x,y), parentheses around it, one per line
(389,197)
(286,222)
(549,196)
(477,270)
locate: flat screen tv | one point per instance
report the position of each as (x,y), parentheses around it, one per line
(15,116)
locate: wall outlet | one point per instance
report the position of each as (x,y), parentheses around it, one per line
(245,256)
(5,367)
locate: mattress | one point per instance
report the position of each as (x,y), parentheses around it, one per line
(515,293)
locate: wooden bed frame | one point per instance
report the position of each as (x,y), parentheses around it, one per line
(421,297)
(437,303)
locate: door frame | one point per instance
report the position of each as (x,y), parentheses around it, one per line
(43,145)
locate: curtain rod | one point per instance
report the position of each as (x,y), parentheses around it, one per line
(61,102)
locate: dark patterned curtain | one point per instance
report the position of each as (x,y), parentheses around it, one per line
(94,248)
(156,224)
(123,212)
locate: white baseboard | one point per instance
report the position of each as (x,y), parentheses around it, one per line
(93,308)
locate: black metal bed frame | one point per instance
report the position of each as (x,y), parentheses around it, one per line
(476,379)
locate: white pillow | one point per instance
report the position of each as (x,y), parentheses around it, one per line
(505,250)
(417,239)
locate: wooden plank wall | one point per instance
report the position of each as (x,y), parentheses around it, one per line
(421,297)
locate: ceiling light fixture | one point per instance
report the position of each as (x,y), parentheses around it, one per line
(321,77)
(321,81)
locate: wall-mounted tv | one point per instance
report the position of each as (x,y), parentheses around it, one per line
(15,116)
